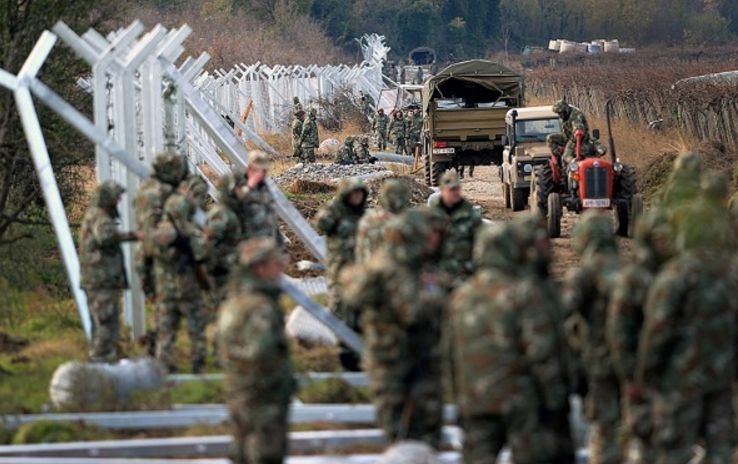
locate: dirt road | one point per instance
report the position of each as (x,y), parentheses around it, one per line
(485,189)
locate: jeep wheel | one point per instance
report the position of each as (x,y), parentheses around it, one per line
(517,198)
(436,171)
(506,195)
(542,187)
(635,213)
(553,218)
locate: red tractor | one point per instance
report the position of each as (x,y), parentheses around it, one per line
(587,183)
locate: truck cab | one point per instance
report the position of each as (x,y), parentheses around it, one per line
(525,148)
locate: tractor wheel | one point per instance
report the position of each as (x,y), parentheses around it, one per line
(635,213)
(427,169)
(436,171)
(542,186)
(506,195)
(553,218)
(517,199)
(627,186)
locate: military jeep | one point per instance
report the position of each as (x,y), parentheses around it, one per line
(525,148)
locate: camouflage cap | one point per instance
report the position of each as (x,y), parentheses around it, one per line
(259,250)
(450,179)
(259,160)
(594,232)
(560,106)
(107,193)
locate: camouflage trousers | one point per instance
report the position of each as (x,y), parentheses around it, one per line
(381,140)
(307,155)
(602,409)
(259,423)
(485,435)
(169,314)
(410,144)
(400,145)
(680,422)
(639,426)
(104,307)
(350,361)
(408,410)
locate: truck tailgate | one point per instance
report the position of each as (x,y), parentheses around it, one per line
(469,123)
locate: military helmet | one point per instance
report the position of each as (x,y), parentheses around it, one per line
(107,194)
(594,232)
(296,100)
(450,179)
(170,168)
(394,195)
(258,250)
(560,107)
(259,160)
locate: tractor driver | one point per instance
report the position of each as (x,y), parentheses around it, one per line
(575,130)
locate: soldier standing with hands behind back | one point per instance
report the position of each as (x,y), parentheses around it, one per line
(309,139)
(103,275)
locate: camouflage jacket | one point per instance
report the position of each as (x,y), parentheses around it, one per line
(370,233)
(397,127)
(586,293)
(625,318)
(179,247)
(253,346)
(414,126)
(380,123)
(149,206)
(456,254)
(508,353)
(363,155)
(689,335)
(100,253)
(346,155)
(223,234)
(296,133)
(309,137)
(258,216)
(339,223)
(402,311)
(576,121)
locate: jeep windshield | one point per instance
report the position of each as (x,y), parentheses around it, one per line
(536,130)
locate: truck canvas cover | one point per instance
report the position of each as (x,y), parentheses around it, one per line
(475,81)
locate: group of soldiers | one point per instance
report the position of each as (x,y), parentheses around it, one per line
(349,153)
(405,130)
(305,138)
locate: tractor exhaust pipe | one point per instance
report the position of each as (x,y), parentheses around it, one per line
(610,139)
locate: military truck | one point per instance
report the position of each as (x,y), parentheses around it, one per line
(464,109)
(525,148)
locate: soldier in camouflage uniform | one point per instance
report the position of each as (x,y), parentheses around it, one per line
(297,126)
(575,129)
(380,123)
(414,127)
(687,353)
(195,189)
(402,307)
(586,296)
(346,154)
(255,355)
(509,352)
(257,213)
(394,198)
(398,131)
(456,256)
(653,245)
(102,273)
(168,171)
(180,273)
(309,140)
(339,221)
(363,155)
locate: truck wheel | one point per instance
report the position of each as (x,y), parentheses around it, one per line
(427,169)
(437,170)
(517,198)
(635,213)
(553,218)
(543,187)
(506,195)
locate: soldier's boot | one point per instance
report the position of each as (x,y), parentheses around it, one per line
(471,171)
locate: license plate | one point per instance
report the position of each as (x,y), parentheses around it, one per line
(527,178)
(443,151)
(596,203)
